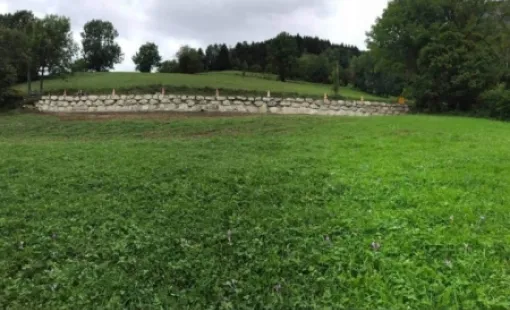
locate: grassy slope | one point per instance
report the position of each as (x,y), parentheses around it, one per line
(135,214)
(225,80)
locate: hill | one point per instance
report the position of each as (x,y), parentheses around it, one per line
(229,81)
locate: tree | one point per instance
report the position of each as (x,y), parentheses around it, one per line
(13,46)
(244,67)
(223,62)
(147,57)
(283,51)
(169,66)
(313,68)
(24,21)
(189,60)
(55,47)
(99,47)
(79,65)
(442,49)
(336,79)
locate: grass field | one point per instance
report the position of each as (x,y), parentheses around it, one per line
(230,81)
(259,212)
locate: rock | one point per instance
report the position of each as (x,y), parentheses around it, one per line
(190,102)
(147,97)
(154,101)
(226,102)
(259,103)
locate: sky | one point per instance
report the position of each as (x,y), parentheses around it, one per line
(173,23)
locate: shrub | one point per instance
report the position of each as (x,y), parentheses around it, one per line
(496,103)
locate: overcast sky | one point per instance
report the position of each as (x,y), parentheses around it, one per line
(172,23)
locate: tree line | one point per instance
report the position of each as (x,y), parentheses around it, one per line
(446,55)
(33,48)
(305,58)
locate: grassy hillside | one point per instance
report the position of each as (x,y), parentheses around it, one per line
(254,213)
(233,81)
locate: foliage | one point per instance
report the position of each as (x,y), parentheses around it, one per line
(147,57)
(168,66)
(445,51)
(99,46)
(313,68)
(13,45)
(93,82)
(244,67)
(223,62)
(283,51)
(24,21)
(336,79)
(496,102)
(364,75)
(79,65)
(274,212)
(55,46)
(189,60)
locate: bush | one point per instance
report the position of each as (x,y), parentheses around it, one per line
(10,99)
(496,103)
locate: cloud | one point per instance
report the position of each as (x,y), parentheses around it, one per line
(171,24)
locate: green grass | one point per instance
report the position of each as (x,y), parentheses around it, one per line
(228,81)
(135,214)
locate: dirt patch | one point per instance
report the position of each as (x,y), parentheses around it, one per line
(105,116)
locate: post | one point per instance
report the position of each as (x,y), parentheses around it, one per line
(268,94)
(113,92)
(217,93)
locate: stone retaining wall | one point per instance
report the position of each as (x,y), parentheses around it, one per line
(185,103)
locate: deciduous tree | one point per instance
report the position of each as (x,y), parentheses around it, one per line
(147,57)
(99,47)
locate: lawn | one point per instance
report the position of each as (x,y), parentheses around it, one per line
(229,81)
(258,212)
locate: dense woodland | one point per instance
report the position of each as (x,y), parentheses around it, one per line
(446,55)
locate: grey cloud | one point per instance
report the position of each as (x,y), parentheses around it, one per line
(171,23)
(231,20)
